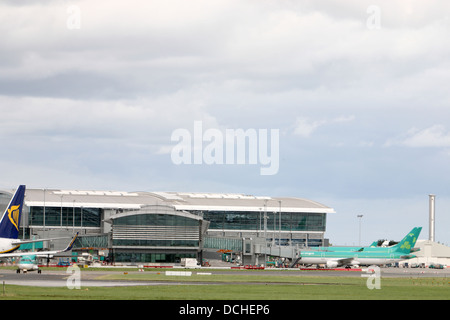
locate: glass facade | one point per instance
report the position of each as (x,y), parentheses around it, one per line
(300,242)
(142,237)
(65,216)
(156,230)
(152,257)
(155,220)
(222,243)
(155,243)
(243,220)
(99,241)
(4,201)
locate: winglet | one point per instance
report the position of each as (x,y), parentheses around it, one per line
(71,243)
(10,222)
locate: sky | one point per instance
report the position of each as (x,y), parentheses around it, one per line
(347,100)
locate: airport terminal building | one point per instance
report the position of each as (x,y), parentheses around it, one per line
(165,227)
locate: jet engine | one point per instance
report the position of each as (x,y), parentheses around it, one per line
(332,264)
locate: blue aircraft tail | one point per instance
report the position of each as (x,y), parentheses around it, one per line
(10,222)
(71,243)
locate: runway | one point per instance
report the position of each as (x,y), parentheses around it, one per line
(93,278)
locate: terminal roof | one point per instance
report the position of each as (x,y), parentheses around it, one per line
(179,200)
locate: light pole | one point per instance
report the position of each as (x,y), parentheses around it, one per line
(265,234)
(61,212)
(73,217)
(279,228)
(360,218)
(44,211)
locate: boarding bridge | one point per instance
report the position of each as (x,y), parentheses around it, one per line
(253,250)
(256,253)
(290,252)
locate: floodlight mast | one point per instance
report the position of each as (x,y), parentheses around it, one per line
(360,218)
(431,233)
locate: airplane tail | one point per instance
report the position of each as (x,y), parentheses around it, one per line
(71,243)
(374,244)
(10,222)
(409,241)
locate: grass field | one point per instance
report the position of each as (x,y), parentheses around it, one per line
(243,287)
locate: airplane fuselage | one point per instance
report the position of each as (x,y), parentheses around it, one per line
(352,258)
(25,267)
(354,262)
(28,263)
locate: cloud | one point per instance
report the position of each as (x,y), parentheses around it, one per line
(147,48)
(436,136)
(304,127)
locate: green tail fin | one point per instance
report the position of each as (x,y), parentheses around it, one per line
(409,241)
(374,244)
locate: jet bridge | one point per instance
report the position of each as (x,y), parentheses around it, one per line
(289,252)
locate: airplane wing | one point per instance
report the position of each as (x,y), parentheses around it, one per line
(41,253)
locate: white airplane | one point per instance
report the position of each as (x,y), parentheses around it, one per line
(28,263)
(28,260)
(9,230)
(335,257)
